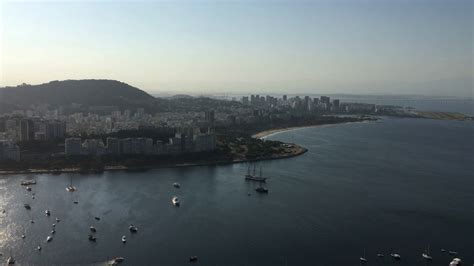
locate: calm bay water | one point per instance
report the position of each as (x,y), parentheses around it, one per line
(397,185)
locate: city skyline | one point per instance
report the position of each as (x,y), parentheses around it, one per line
(356,47)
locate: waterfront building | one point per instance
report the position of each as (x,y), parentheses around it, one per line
(9,151)
(113,146)
(73,147)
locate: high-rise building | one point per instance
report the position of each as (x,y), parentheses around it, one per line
(209,117)
(325,100)
(245,100)
(27,130)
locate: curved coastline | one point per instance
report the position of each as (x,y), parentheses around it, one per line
(295,150)
(271,132)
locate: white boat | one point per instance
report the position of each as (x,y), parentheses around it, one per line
(54,225)
(455,262)
(116,261)
(71,188)
(10,260)
(133,228)
(380,255)
(426,256)
(124,239)
(53,231)
(176,185)
(47,212)
(452,252)
(22,236)
(58,220)
(175,201)
(28,182)
(28,188)
(395,256)
(92,228)
(363,259)
(49,238)
(38,248)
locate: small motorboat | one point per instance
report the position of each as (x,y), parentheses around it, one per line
(455,262)
(261,189)
(97,218)
(32,221)
(175,201)
(28,188)
(38,247)
(133,228)
(53,231)
(426,256)
(53,225)
(443,250)
(47,212)
(92,228)
(10,260)
(27,206)
(91,238)
(380,255)
(58,220)
(117,260)
(22,236)
(193,258)
(176,185)
(452,252)
(124,239)
(363,260)
(28,182)
(49,238)
(395,256)
(71,188)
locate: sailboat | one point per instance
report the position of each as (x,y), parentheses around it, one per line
(254,177)
(363,259)
(71,188)
(426,255)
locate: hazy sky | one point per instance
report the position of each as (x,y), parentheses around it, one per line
(359,46)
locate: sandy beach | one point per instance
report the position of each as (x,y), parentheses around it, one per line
(271,132)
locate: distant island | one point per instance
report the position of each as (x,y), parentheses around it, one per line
(97,125)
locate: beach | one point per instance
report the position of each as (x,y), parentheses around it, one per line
(271,132)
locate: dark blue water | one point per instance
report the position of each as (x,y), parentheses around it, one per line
(397,185)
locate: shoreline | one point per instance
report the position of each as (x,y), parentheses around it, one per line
(296,151)
(271,132)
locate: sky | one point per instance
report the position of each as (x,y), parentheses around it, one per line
(335,46)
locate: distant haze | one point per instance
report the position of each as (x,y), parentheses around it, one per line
(358,47)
